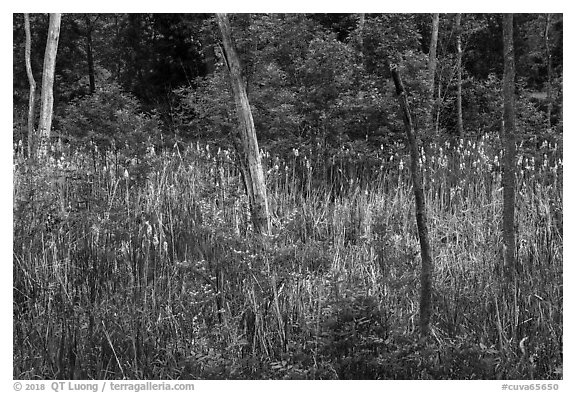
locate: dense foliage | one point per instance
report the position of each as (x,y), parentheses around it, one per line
(111,120)
(311,78)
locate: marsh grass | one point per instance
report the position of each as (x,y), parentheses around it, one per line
(149,269)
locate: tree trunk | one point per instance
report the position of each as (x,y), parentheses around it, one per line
(48,83)
(508,175)
(460,124)
(426,252)
(117,40)
(32,82)
(361,22)
(251,152)
(209,56)
(89,54)
(549,66)
(432,61)
(439,98)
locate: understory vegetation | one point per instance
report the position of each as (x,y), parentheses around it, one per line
(148,268)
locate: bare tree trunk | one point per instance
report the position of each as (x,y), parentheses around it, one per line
(439,98)
(259,205)
(460,124)
(32,82)
(421,221)
(48,83)
(549,66)
(432,62)
(508,175)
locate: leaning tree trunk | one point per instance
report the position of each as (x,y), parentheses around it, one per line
(48,83)
(425,250)
(32,82)
(508,175)
(251,152)
(432,62)
(460,123)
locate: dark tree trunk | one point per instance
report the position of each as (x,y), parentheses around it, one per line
(460,124)
(432,62)
(251,151)
(47,84)
(425,250)
(210,59)
(32,82)
(117,40)
(549,69)
(508,175)
(89,54)
(361,22)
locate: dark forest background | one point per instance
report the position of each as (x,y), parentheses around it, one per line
(311,78)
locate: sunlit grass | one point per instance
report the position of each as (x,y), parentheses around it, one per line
(149,268)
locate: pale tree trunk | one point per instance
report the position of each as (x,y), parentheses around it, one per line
(432,62)
(254,175)
(460,124)
(549,66)
(48,83)
(421,220)
(32,82)
(251,152)
(508,175)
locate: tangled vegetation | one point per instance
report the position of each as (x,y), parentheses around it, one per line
(147,269)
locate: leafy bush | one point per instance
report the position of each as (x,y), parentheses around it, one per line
(112,120)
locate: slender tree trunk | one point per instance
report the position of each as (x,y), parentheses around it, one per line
(432,62)
(89,55)
(508,175)
(209,55)
(118,56)
(48,83)
(259,205)
(460,124)
(549,66)
(439,98)
(361,22)
(425,250)
(32,82)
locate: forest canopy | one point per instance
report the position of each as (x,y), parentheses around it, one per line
(311,78)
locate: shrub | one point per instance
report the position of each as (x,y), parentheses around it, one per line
(112,120)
